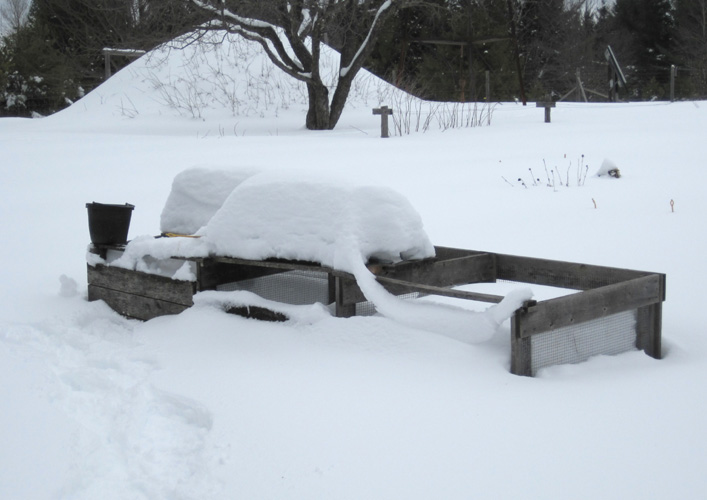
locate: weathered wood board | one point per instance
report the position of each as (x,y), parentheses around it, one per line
(139,295)
(592,304)
(571,275)
(603,291)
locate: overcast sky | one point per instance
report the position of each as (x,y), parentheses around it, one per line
(3,24)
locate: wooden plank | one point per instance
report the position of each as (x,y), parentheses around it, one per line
(591,304)
(134,306)
(571,275)
(436,273)
(479,268)
(407,287)
(123,52)
(286,265)
(445,253)
(142,284)
(212,273)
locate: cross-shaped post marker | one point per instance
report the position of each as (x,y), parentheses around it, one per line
(548,105)
(384,111)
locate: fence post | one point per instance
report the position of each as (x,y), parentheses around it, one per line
(649,321)
(488,86)
(673,73)
(521,355)
(488,94)
(106,65)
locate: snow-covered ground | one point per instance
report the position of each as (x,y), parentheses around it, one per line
(209,405)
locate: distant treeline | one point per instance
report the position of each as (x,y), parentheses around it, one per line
(440,50)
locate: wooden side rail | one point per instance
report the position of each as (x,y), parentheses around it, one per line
(139,295)
(644,295)
(592,304)
(436,290)
(571,275)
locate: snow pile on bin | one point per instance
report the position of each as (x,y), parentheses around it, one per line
(250,215)
(197,194)
(313,219)
(299,217)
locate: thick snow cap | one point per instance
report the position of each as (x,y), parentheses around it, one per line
(197,194)
(297,217)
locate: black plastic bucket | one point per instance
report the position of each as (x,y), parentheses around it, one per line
(109,224)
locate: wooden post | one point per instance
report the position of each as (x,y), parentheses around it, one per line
(521,354)
(548,105)
(488,95)
(516,50)
(648,330)
(343,309)
(649,322)
(106,64)
(615,74)
(384,111)
(580,88)
(673,72)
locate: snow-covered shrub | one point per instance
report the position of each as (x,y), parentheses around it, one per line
(20,92)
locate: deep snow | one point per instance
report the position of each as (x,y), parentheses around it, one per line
(207,405)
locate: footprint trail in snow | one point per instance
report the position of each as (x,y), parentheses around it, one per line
(135,441)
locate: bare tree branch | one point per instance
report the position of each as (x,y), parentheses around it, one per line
(14,13)
(292,31)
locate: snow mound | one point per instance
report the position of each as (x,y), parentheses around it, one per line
(291,216)
(197,194)
(609,168)
(221,77)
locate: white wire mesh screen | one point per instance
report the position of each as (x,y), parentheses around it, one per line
(572,344)
(291,287)
(298,288)
(368,308)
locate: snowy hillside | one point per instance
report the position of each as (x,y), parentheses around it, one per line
(205,405)
(222,79)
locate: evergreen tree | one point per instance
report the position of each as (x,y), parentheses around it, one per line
(691,36)
(48,62)
(644,30)
(34,77)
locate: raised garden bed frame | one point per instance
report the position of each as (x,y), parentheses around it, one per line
(603,291)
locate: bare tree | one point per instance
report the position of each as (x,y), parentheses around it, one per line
(292,33)
(13,13)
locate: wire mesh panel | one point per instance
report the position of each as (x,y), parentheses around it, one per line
(572,344)
(291,287)
(368,308)
(298,288)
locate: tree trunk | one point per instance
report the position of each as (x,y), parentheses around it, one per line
(341,94)
(516,49)
(318,113)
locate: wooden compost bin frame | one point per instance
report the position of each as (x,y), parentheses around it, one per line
(603,291)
